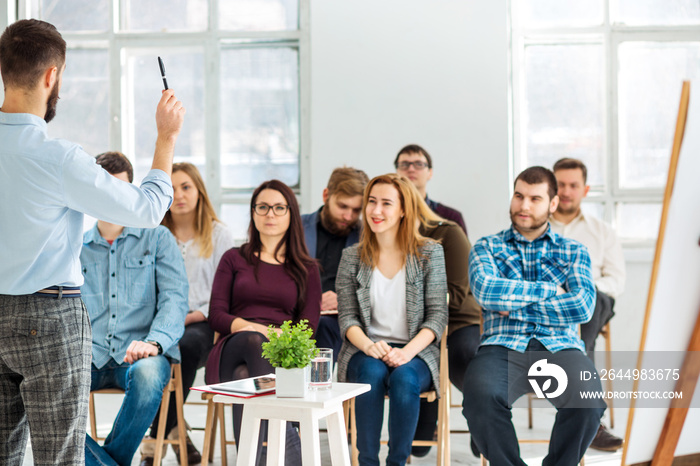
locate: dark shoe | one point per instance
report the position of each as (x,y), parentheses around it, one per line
(605,441)
(146,461)
(420,452)
(193,455)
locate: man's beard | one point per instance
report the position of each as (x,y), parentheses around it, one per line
(331,226)
(51,104)
(568,211)
(537,222)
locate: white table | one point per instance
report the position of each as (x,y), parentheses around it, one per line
(307,411)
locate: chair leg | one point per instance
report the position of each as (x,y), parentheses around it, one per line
(93,420)
(529,410)
(209,434)
(181,424)
(162,419)
(355,457)
(608,363)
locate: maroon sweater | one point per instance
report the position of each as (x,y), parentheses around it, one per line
(271,299)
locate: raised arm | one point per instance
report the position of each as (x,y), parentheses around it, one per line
(169,117)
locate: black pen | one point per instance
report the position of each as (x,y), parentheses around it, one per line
(162,72)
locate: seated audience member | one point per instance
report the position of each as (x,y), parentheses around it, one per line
(607,261)
(135,292)
(202,239)
(415,163)
(464,311)
(267,281)
(535,287)
(392,311)
(327,232)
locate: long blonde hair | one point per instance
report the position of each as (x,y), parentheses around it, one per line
(205,215)
(408,238)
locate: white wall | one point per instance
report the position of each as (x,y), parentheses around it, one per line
(392,72)
(388,73)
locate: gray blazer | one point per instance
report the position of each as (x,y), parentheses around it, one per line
(426,301)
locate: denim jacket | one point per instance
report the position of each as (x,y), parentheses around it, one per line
(135,289)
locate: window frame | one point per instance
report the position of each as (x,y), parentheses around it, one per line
(212,41)
(611,36)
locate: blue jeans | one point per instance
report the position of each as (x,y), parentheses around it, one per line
(497,376)
(143,383)
(404,385)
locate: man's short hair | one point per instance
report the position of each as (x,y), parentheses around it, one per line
(413,149)
(538,175)
(347,182)
(27,48)
(571,164)
(115,163)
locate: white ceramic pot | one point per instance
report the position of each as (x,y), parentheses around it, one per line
(291,383)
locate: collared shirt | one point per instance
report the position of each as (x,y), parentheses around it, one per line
(46,185)
(329,250)
(607,259)
(135,289)
(512,274)
(201,270)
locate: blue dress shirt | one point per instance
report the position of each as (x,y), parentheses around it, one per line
(135,289)
(509,273)
(46,185)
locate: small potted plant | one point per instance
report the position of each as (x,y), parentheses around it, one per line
(290,352)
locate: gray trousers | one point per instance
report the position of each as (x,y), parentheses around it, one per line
(45,354)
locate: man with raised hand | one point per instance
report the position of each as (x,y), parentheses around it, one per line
(607,261)
(47,184)
(534,287)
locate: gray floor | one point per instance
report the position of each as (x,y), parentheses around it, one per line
(107,406)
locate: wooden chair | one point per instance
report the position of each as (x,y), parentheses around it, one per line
(173,386)
(443,428)
(215,414)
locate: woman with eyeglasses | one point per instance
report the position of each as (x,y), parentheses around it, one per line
(268,280)
(392,311)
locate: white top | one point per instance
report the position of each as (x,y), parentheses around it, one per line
(607,260)
(388,304)
(201,270)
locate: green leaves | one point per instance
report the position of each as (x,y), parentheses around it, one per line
(293,348)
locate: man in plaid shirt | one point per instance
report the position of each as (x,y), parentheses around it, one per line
(535,288)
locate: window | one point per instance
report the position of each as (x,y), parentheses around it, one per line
(601,81)
(238,66)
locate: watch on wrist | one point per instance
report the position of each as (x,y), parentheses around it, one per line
(157,345)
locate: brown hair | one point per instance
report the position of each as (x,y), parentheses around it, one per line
(27,48)
(408,237)
(204,217)
(571,164)
(538,175)
(297,258)
(115,163)
(413,149)
(347,181)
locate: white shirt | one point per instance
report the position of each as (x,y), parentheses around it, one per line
(607,260)
(201,270)
(388,304)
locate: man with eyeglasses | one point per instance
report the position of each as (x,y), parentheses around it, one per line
(415,163)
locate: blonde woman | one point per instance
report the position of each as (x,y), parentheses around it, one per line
(202,239)
(392,311)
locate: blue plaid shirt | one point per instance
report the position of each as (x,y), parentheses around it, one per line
(509,273)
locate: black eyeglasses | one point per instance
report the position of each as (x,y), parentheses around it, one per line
(277,209)
(418,165)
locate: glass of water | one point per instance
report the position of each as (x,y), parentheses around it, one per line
(321,370)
